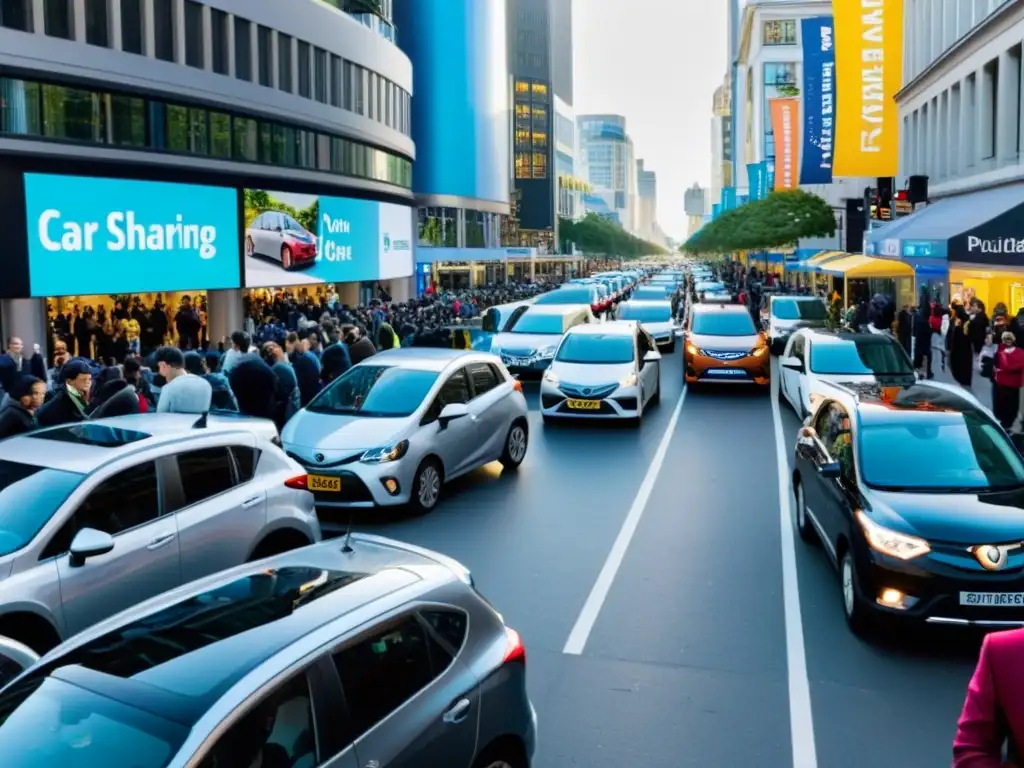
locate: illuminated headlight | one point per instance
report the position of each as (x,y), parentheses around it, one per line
(629,381)
(386,453)
(546,352)
(550,377)
(692,350)
(759,351)
(898,545)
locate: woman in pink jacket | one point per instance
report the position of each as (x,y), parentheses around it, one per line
(992,722)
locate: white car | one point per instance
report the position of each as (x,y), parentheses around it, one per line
(813,356)
(529,339)
(712,292)
(656,318)
(787,314)
(611,371)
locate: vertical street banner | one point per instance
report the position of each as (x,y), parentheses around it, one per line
(757,180)
(728,198)
(769,177)
(716,210)
(869,72)
(819,100)
(787,155)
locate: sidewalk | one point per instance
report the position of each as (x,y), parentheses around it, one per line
(980,387)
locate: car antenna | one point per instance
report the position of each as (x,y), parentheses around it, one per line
(347,546)
(200,422)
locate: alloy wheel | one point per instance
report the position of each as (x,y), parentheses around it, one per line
(517,444)
(848,593)
(250,249)
(429,487)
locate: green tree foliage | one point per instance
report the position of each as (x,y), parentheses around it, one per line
(777,221)
(597,236)
(257,201)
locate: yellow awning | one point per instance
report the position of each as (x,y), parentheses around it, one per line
(864,266)
(824,256)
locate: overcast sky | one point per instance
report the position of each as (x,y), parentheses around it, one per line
(657,62)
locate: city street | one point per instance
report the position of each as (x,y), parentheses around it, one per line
(678,655)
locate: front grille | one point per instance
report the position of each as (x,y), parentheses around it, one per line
(723,355)
(581,392)
(353,489)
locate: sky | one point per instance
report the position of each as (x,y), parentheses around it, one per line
(657,62)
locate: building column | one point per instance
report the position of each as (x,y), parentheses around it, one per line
(275,53)
(254,51)
(38,17)
(207,38)
(294,53)
(224,310)
(966,153)
(26,319)
(401,289)
(179,31)
(1006,128)
(78,20)
(348,293)
(230,32)
(114,17)
(148,29)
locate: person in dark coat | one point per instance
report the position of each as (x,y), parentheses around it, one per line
(961,349)
(306,367)
(116,398)
(287,394)
(135,376)
(14,364)
(334,361)
(359,346)
(26,398)
(254,385)
(71,403)
(223,397)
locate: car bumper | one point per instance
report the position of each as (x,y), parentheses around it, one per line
(623,403)
(363,485)
(739,373)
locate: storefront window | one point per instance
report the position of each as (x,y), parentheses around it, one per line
(475,229)
(220,135)
(246,136)
(20,107)
(127,121)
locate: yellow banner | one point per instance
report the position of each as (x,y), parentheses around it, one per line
(869,72)
(785,115)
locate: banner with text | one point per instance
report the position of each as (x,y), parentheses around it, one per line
(728,198)
(869,72)
(757,180)
(819,99)
(784,117)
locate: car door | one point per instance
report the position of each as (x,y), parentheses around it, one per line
(489,405)
(818,491)
(219,514)
(649,372)
(144,562)
(790,377)
(837,492)
(411,703)
(262,234)
(455,441)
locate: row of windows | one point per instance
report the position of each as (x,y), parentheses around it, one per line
(531,165)
(317,74)
(64,113)
(779,32)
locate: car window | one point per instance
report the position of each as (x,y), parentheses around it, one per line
(600,349)
(257,223)
(246,459)
(383,671)
(121,502)
(539,323)
(450,626)
(29,497)
(821,424)
(723,324)
(484,378)
(455,390)
(205,473)
(276,732)
(656,313)
(567,296)
(798,348)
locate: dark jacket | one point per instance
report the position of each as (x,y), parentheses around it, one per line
(60,410)
(119,398)
(334,361)
(15,420)
(254,386)
(361,350)
(9,373)
(223,398)
(286,396)
(307,371)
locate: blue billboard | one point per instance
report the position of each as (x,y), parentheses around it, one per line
(297,239)
(113,236)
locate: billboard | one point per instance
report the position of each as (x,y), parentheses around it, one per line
(298,239)
(784,125)
(869,72)
(113,236)
(819,99)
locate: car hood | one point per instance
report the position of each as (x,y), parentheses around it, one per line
(524,341)
(336,437)
(591,375)
(724,343)
(991,517)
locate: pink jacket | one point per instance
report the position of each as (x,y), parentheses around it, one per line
(994,709)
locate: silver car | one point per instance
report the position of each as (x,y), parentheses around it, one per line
(611,370)
(656,318)
(787,314)
(352,653)
(98,516)
(393,429)
(527,345)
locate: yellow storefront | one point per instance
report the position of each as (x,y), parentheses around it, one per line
(858,278)
(992,284)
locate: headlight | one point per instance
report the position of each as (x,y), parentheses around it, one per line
(898,545)
(547,352)
(550,377)
(759,351)
(385,453)
(691,350)
(629,381)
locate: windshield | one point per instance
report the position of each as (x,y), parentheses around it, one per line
(792,309)
(860,358)
(536,323)
(375,390)
(723,324)
(567,296)
(57,724)
(938,451)
(596,349)
(29,496)
(658,313)
(710,287)
(654,293)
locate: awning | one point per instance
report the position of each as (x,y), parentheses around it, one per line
(864,267)
(813,264)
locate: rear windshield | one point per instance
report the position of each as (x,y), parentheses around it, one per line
(29,496)
(869,357)
(710,287)
(537,323)
(660,313)
(594,349)
(791,309)
(567,296)
(723,324)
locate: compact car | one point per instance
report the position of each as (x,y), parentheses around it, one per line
(575,295)
(279,237)
(656,318)
(712,292)
(787,314)
(528,343)
(722,345)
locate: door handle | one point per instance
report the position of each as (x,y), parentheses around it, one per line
(251,502)
(161,541)
(458,712)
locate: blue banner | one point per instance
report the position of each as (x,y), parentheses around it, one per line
(819,100)
(742,200)
(728,198)
(757,180)
(716,210)
(769,176)
(112,236)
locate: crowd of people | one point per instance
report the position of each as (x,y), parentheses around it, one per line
(292,346)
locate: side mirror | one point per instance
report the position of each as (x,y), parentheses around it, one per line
(830,470)
(17,658)
(87,543)
(451,412)
(653,356)
(792,364)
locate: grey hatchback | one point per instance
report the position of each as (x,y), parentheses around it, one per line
(349,653)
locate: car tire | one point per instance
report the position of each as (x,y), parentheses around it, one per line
(516,442)
(854,610)
(801,522)
(250,247)
(286,257)
(427,486)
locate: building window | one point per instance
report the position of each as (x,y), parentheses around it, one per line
(243,51)
(336,81)
(265,55)
(522,89)
(246,139)
(219,40)
(131,26)
(73,114)
(780,32)
(539,90)
(16,14)
(194,34)
(57,18)
(220,135)
(776,74)
(348,77)
(97,22)
(320,75)
(305,87)
(163,25)
(522,165)
(540,165)
(127,121)
(284,62)
(359,86)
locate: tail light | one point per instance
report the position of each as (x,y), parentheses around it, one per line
(299,483)
(515,651)
(517,385)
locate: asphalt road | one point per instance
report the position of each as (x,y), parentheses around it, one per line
(647,573)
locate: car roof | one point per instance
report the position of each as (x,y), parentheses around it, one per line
(793,297)
(421,358)
(647,303)
(610,328)
(554,309)
(842,336)
(85,446)
(876,402)
(701,308)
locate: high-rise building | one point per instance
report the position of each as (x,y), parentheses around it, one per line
(721,139)
(647,202)
(607,153)
(696,204)
(570,186)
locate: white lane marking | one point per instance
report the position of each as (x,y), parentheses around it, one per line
(801,719)
(592,608)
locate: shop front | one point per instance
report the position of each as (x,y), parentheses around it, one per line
(805,273)
(858,278)
(457,269)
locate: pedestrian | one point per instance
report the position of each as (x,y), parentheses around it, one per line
(254,385)
(183,392)
(961,351)
(18,416)
(223,398)
(14,364)
(1009,378)
(359,346)
(306,366)
(287,398)
(386,337)
(241,345)
(71,403)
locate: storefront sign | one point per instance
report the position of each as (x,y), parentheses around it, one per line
(818,100)
(114,236)
(784,117)
(921,249)
(869,72)
(890,247)
(297,239)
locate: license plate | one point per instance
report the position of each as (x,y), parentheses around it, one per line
(324,483)
(993,599)
(518,362)
(584,405)
(727,372)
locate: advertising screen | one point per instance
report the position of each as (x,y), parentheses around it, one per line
(115,236)
(293,239)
